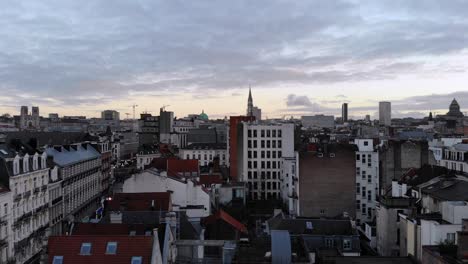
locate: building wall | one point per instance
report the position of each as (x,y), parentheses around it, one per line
(388,230)
(385,113)
(204,156)
(433,233)
(232,143)
(6,250)
(183,194)
(328,184)
(261,157)
(367,179)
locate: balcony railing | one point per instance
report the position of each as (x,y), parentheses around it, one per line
(3,243)
(43,187)
(27,194)
(36,190)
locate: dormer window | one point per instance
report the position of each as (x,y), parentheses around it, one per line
(35,162)
(16,166)
(26,163)
(43,161)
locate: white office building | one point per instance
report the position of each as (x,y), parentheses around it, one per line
(205,153)
(268,163)
(367,179)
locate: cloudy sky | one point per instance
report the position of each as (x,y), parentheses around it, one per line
(300,57)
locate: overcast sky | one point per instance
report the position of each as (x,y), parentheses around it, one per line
(300,57)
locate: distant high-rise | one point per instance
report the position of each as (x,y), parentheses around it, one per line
(110,115)
(385,113)
(344,112)
(250,106)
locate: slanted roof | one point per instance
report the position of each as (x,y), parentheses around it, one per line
(210,179)
(127,247)
(448,190)
(155,201)
(207,145)
(222,215)
(64,157)
(182,168)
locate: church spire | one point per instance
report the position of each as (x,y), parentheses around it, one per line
(250,103)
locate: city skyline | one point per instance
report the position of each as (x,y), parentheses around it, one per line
(300,58)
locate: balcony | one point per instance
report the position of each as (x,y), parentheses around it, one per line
(3,220)
(36,190)
(43,187)
(27,194)
(3,243)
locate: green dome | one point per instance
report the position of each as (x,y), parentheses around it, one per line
(203,116)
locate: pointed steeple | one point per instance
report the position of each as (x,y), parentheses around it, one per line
(250,103)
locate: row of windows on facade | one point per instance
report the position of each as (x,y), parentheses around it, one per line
(36,165)
(264,144)
(454,155)
(205,157)
(453,166)
(264,195)
(363,160)
(363,174)
(26,228)
(86,250)
(264,164)
(268,185)
(264,154)
(263,175)
(364,209)
(362,192)
(26,206)
(80,167)
(30,184)
(264,133)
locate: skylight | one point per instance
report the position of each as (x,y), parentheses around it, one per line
(111,248)
(136,260)
(85,249)
(57,260)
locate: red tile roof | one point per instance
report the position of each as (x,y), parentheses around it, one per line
(140,201)
(127,247)
(222,215)
(210,179)
(180,168)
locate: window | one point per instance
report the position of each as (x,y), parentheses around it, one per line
(358,188)
(111,248)
(347,244)
(57,260)
(451,237)
(358,157)
(363,174)
(366,143)
(249,133)
(268,133)
(329,242)
(358,205)
(85,249)
(262,133)
(136,260)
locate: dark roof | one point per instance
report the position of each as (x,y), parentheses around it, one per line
(369,260)
(110,229)
(424,174)
(210,179)
(127,247)
(208,145)
(448,190)
(319,226)
(140,202)
(64,156)
(222,215)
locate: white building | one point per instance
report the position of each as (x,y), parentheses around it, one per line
(318,121)
(437,147)
(80,169)
(385,113)
(186,195)
(29,120)
(205,153)
(367,179)
(24,210)
(455,158)
(144,157)
(268,163)
(6,241)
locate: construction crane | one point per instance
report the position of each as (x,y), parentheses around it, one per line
(134,106)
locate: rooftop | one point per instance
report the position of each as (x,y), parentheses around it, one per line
(313,226)
(72,249)
(208,145)
(68,155)
(140,202)
(448,190)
